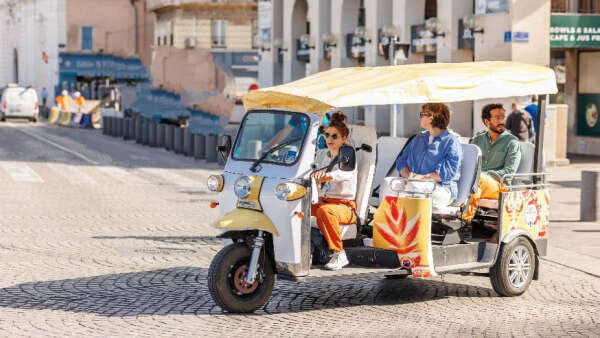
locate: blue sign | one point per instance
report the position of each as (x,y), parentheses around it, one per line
(522,37)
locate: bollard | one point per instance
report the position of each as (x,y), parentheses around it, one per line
(138,129)
(589,206)
(199,146)
(211,148)
(220,160)
(152,133)
(178,140)
(160,135)
(126,134)
(169,131)
(132,128)
(145,131)
(104,125)
(188,142)
(119,127)
(111,126)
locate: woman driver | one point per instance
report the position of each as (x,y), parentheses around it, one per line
(336,193)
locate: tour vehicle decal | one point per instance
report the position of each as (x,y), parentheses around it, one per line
(403,224)
(527,210)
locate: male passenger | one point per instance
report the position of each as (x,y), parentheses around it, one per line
(501,154)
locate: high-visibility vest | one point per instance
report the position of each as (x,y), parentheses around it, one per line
(80,101)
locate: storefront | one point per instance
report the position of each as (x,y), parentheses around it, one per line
(575,57)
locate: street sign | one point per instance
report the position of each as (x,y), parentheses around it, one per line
(507,36)
(520,37)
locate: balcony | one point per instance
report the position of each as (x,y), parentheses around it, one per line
(154,5)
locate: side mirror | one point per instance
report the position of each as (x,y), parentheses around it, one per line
(224,147)
(347,158)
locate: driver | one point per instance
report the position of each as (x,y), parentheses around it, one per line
(336,193)
(434,154)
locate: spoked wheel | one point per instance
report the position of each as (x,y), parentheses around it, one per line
(513,271)
(226,280)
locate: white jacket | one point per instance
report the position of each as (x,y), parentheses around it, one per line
(343,185)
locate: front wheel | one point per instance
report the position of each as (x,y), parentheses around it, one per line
(226,280)
(513,271)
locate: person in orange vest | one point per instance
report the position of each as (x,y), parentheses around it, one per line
(79,101)
(63,101)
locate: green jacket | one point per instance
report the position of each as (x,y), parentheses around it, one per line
(500,158)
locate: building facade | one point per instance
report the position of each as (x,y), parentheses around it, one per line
(302,37)
(64,43)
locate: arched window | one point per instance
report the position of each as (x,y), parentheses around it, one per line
(430,9)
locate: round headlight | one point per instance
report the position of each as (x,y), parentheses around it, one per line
(282,191)
(242,187)
(215,183)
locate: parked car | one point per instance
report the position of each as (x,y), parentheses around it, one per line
(19,102)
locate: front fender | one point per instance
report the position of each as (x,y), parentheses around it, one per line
(245,219)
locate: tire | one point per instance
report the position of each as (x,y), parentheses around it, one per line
(222,280)
(513,281)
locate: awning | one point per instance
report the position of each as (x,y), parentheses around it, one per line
(414,83)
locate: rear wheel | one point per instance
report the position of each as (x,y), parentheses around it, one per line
(514,268)
(226,280)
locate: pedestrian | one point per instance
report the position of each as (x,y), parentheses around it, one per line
(532,109)
(44,96)
(519,123)
(79,101)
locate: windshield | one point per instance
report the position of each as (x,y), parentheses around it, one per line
(261,131)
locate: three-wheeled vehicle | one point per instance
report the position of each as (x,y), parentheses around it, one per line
(266,194)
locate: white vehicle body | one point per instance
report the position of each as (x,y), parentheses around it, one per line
(19,102)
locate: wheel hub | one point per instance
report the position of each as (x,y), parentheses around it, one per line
(519,266)
(239,281)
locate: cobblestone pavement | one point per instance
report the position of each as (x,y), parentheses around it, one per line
(112,238)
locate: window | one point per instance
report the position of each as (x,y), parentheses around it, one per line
(219,31)
(158,41)
(589,6)
(559,6)
(171,39)
(430,9)
(87,37)
(164,40)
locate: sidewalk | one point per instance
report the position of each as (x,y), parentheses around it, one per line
(572,243)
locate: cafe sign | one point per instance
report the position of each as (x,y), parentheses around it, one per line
(575,31)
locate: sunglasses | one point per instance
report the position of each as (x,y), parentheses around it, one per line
(333,136)
(421,115)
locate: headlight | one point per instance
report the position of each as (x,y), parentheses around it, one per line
(289,191)
(215,183)
(242,187)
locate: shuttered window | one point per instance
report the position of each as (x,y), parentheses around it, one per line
(87,38)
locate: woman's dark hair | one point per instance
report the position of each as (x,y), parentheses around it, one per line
(441,114)
(486,112)
(338,120)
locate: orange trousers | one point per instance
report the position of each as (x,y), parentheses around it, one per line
(330,213)
(488,189)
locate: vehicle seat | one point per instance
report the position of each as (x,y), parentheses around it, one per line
(467,184)
(388,149)
(525,166)
(365,162)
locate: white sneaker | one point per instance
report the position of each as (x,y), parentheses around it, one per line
(338,261)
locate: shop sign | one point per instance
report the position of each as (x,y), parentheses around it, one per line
(302,51)
(422,40)
(587,115)
(574,31)
(466,40)
(490,6)
(516,36)
(355,46)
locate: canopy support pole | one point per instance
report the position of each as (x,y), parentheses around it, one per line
(394,111)
(538,165)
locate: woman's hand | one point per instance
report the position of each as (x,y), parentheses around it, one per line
(405,172)
(321,176)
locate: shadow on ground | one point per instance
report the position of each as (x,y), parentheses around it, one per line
(183,290)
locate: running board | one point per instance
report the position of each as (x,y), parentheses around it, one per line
(351,271)
(462,267)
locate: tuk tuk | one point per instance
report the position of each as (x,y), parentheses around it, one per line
(265,195)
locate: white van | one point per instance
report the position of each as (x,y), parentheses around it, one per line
(19,102)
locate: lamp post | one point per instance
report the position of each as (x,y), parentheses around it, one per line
(391,32)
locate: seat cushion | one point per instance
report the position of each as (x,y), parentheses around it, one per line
(490,204)
(365,162)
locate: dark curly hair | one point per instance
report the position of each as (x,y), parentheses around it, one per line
(441,114)
(486,112)
(338,120)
